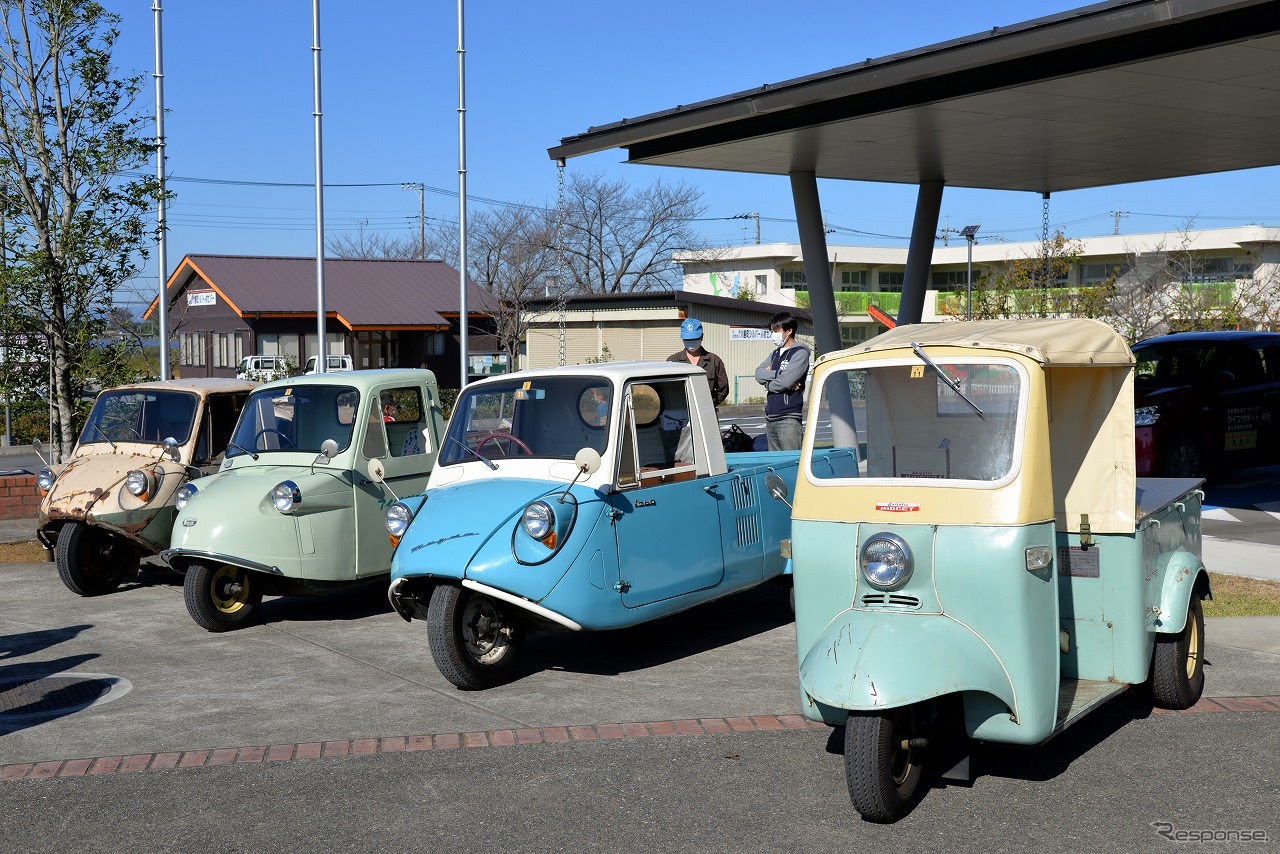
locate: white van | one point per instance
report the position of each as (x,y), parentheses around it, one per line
(334,362)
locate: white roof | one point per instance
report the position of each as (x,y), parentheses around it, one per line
(615,372)
(200,385)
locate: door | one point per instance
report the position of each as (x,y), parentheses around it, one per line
(667,524)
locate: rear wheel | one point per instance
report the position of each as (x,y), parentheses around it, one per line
(1184,460)
(221,598)
(882,768)
(1177,666)
(475,641)
(91,561)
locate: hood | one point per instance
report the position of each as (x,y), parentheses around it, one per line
(93,483)
(1161,395)
(454,523)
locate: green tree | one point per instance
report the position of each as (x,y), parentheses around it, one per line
(1031,287)
(74,227)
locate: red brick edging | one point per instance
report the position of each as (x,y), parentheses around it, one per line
(490,738)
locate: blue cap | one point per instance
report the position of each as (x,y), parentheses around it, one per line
(690,329)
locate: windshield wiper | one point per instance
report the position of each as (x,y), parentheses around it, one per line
(98,427)
(944,376)
(473,452)
(243,450)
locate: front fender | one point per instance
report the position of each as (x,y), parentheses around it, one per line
(1184,577)
(865,661)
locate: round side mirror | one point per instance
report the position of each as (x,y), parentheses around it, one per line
(170,446)
(587,460)
(37,444)
(329,448)
(777,486)
(377,472)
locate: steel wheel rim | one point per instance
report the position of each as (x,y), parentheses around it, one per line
(1193,645)
(484,631)
(223,590)
(95,553)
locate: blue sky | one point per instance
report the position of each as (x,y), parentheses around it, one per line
(239,100)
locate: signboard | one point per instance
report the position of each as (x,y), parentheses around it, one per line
(748,333)
(202,298)
(487,364)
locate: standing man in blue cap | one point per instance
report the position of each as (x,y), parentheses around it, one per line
(717,376)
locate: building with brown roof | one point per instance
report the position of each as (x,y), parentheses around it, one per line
(385,313)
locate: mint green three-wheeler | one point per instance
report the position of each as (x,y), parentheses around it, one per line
(984,566)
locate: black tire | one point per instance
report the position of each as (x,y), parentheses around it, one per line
(881,769)
(1177,665)
(1184,460)
(92,561)
(221,597)
(475,641)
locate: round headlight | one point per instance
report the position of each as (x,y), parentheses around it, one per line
(137,483)
(539,520)
(886,561)
(1145,416)
(397,518)
(45,479)
(185,493)
(286,497)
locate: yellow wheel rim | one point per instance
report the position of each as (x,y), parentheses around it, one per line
(1193,644)
(229,589)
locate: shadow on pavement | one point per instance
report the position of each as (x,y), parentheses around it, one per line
(13,677)
(705,627)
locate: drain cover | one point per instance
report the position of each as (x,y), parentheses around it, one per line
(57,694)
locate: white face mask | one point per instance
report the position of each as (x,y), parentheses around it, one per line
(777,338)
(692,344)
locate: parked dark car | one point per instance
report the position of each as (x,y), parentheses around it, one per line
(1207,402)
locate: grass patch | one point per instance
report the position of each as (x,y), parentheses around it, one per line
(28,552)
(1234,596)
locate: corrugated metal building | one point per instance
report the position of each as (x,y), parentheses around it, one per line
(645,326)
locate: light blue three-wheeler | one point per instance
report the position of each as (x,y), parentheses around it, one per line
(990,569)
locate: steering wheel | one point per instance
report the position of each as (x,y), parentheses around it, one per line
(494,437)
(265,430)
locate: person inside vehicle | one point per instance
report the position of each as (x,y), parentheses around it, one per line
(388,408)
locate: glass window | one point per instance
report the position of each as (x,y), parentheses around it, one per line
(762,285)
(141,415)
(911,425)
(403,420)
(853,280)
(298,418)
(543,418)
(659,442)
(891,281)
(793,279)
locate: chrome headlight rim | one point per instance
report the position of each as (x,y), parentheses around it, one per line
(45,478)
(185,493)
(286,497)
(886,561)
(538,520)
(397,517)
(139,484)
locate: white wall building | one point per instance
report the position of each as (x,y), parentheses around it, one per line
(774,273)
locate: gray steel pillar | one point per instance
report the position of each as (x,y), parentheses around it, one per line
(920,254)
(817,272)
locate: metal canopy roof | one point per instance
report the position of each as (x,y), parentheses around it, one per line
(1118,92)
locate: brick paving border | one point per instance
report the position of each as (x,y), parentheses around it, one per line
(500,738)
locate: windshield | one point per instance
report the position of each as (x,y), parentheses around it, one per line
(296,419)
(548,418)
(909,424)
(141,415)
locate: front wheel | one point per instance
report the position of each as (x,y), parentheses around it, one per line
(91,561)
(881,767)
(1177,665)
(475,641)
(221,598)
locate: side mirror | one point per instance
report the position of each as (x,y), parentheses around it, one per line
(777,487)
(329,448)
(170,445)
(587,460)
(377,471)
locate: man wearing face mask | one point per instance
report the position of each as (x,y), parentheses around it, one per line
(783,374)
(717,376)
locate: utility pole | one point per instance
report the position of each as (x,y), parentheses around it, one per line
(1117,213)
(969,233)
(162,261)
(422,216)
(756,217)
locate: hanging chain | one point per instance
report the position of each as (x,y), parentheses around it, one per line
(1044,243)
(561,297)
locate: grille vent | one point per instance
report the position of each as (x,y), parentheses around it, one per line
(743,495)
(890,600)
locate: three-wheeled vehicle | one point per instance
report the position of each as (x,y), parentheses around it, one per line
(580,498)
(112,502)
(292,510)
(991,569)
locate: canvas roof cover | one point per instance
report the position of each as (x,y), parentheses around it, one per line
(1059,342)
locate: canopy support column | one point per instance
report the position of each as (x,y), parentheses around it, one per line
(817,272)
(920,253)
